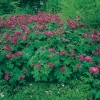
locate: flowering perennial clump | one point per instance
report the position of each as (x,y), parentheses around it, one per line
(47,48)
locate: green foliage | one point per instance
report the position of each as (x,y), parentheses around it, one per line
(75,90)
(23,10)
(8,6)
(33,4)
(53,6)
(45,47)
(88,10)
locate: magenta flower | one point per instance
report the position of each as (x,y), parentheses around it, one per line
(71,54)
(38,66)
(51,65)
(84,35)
(26,30)
(13,26)
(81,57)
(18,32)
(51,49)
(48,33)
(98,34)
(13,55)
(7,47)
(6,35)
(37,32)
(21,77)
(14,39)
(94,37)
(62,22)
(64,40)
(8,56)
(23,37)
(56,31)
(88,58)
(63,52)
(0,41)
(19,54)
(94,70)
(6,76)
(62,69)
(42,48)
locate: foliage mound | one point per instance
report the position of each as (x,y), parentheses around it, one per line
(43,47)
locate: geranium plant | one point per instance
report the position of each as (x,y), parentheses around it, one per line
(47,48)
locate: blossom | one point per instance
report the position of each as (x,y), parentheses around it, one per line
(38,66)
(48,33)
(6,76)
(94,69)
(62,69)
(13,55)
(62,22)
(8,56)
(84,35)
(0,41)
(7,47)
(21,77)
(64,40)
(23,37)
(14,39)
(6,35)
(56,31)
(19,54)
(51,65)
(37,32)
(26,30)
(13,26)
(94,37)
(42,48)
(88,58)
(63,52)
(51,49)
(18,32)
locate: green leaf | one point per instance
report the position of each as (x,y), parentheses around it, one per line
(97,95)
(44,77)
(27,53)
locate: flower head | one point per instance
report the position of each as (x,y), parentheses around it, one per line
(94,70)
(62,69)
(6,76)
(88,58)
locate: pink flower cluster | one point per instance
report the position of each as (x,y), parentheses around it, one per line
(9,56)
(97,51)
(7,47)
(6,76)
(41,18)
(74,24)
(38,66)
(72,53)
(51,65)
(94,69)
(52,50)
(84,35)
(21,77)
(62,69)
(95,36)
(63,52)
(80,57)
(84,58)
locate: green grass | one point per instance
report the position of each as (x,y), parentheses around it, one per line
(75,90)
